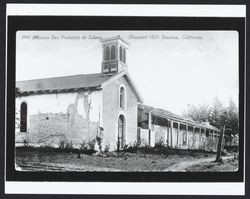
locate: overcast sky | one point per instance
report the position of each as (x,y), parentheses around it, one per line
(172,69)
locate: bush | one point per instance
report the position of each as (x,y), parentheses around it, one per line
(65,146)
(46,148)
(62,144)
(117,146)
(69,145)
(99,142)
(87,147)
(91,144)
(159,144)
(83,146)
(125,147)
(147,149)
(107,146)
(132,148)
(25,143)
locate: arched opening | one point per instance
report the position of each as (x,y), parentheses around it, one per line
(23,117)
(112,52)
(122,98)
(107,53)
(120,53)
(121,132)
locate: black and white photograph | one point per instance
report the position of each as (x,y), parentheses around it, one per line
(127,101)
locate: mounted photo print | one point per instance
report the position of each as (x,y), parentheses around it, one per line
(151,99)
(87,93)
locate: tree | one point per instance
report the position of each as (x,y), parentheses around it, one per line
(231,116)
(215,113)
(199,113)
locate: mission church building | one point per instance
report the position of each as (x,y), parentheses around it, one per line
(79,108)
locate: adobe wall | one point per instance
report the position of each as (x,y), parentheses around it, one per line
(56,118)
(211,143)
(111,112)
(174,137)
(190,138)
(195,140)
(161,133)
(182,133)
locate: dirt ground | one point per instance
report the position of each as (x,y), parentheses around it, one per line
(230,164)
(35,160)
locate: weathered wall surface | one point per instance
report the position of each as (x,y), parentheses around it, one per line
(64,117)
(195,139)
(211,143)
(111,112)
(144,137)
(174,137)
(161,133)
(203,141)
(182,133)
(190,138)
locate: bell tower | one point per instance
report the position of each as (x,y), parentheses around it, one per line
(114,55)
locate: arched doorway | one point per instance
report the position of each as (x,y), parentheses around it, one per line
(121,132)
(23,117)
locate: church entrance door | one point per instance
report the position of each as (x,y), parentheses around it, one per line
(121,132)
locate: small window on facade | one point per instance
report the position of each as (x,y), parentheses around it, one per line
(107,53)
(23,117)
(120,53)
(124,56)
(161,121)
(175,125)
(106,68)
(112,52)
(197,130)
(143,119)
(183,127)
(122,98)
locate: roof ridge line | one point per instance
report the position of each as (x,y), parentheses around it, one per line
(61,77)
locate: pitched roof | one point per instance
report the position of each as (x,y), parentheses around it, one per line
(162,112)
(169,115)
(131,83)
(62,83)
(83,81)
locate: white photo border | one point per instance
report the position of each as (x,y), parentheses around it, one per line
(124,188)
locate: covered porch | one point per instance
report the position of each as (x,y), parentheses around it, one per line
(161,127)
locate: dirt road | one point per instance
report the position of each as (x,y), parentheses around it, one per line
(182,166)
(35,160)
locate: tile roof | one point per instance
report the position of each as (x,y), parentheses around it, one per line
(62,83)
(169,115)
(159,111)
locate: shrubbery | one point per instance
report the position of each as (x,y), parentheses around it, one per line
(92,146)
(107,146)
(161,149)
(88,147)
(99,142)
